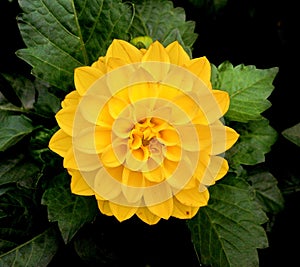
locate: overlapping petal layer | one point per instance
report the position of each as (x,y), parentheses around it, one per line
(143,132)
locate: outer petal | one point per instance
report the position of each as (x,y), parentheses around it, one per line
(87,162)
(182,211)
(104,207)
(177,54)
(201,67)
(222,99)
(123,50)
(211,169)
(157,52)
(84,77)
(79,186)
(193,197)
(216,138)
(71,99)
(65,119)
(60,143)
(147,216)
(159,200)
(121,212)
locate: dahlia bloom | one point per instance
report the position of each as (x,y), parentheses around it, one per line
(142,132)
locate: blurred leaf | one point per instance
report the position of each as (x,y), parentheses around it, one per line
(36,252)
(23,88)
(69,210)
(6,107)
(161,21)
(248,88)
(47,104)
(267,191)
(216,4)
(17,169)
(228,231)
(62,35)
(256,139)
(13,129)
(293,134)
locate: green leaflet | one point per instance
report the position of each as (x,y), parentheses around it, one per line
(36,252)
(69,210)
(293,134)
(165,23)
(267,193)
(228,231)
(13,129)
(62,35)
(256,139)
(248,88)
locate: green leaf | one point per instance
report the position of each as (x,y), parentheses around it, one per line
(293,134)
(267,191)
(228,231)
(17,169)
(256,139)
(62,35)
(7,107)
(23,88)
(248,88)
(161,21)
(47,104)
(13,129)
(36,252)
(69,210)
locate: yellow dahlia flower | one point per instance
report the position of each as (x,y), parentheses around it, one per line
(143,132)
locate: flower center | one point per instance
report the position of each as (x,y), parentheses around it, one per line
(143,141)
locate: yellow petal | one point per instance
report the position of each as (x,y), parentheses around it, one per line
(159,200)
(93,140)
(180,176)
(142,91)
(222,98)
(71,99)
(105,185)
(201,67)
(193,197)
(132,185)
(78,184)
(84,77)
(157,175)
(159,69)
(92,106)
(104,207)
(82,161)
(100,64)
(169,137)
(169,167)
(116,105)
(173,153)
(65,119)
(211,169)
(60,143)
(163,210)
(182,211)
(121,212)
(109,158)
(147,216)
(124,50)
(177,54)
(216,137)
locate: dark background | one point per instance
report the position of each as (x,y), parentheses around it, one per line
(261,33)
